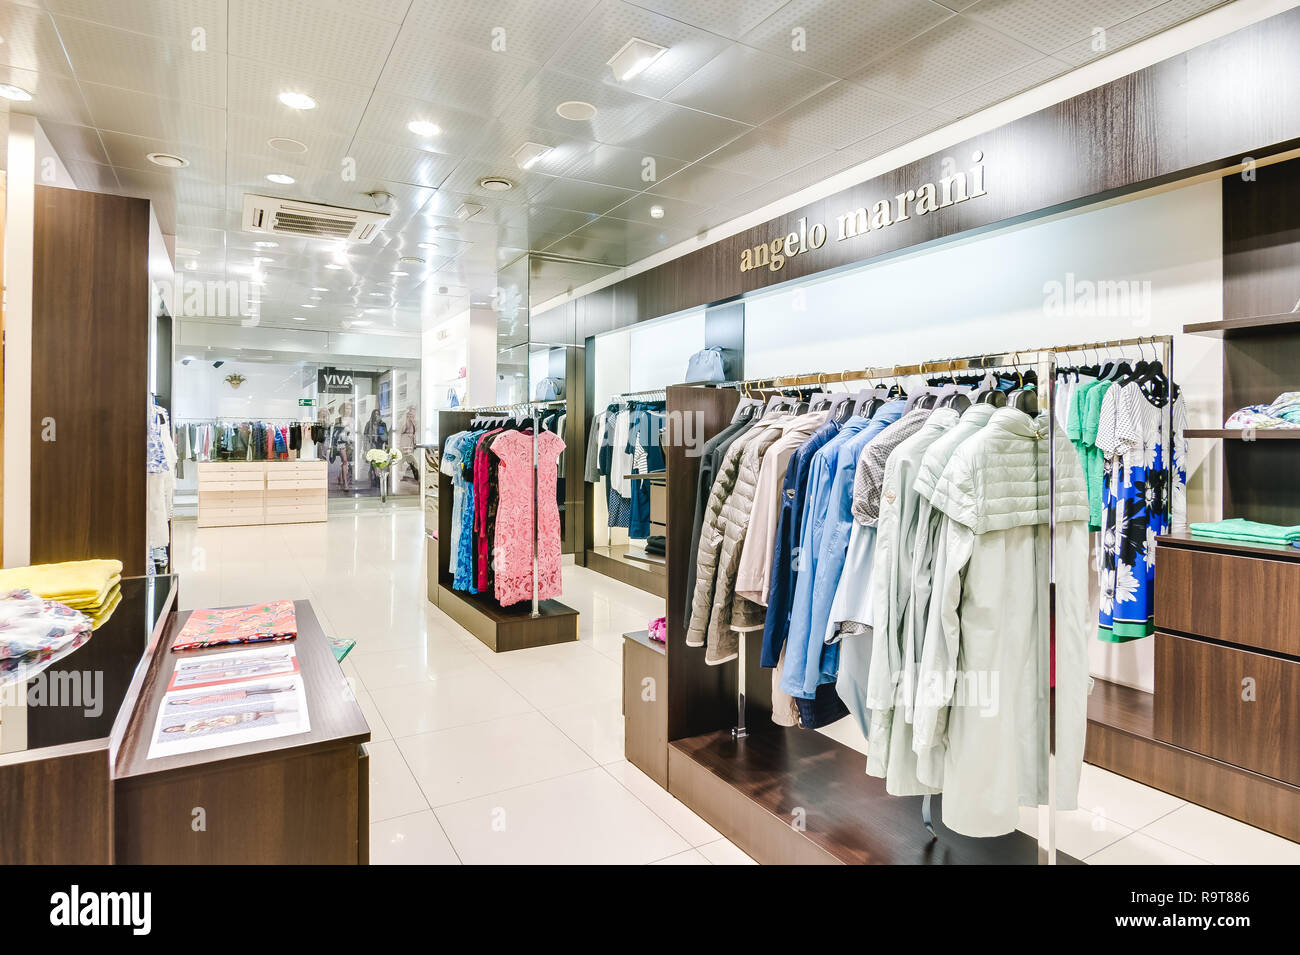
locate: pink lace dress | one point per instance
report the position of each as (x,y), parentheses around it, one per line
(513,544)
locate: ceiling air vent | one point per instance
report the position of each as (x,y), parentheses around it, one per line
(310,220)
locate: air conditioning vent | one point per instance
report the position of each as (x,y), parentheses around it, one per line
(310,220)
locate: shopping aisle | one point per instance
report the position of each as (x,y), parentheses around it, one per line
(476,757)
(479,757)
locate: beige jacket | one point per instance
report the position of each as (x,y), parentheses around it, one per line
(715,607)
(753,576)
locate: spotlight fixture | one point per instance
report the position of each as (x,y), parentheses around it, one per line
(656,212)
(422,127)
(399,273)
(633,57)
(496,184)
(299,318)
(218,363)
(575,110)
(264,244)
(297,100)
(333,266)
(309,306)
(167,160)
(526,156)
(431,246)
(319,288)
(410,260)
(281,179)
(16,93)
(468,210)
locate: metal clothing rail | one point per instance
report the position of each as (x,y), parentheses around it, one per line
(1045,360)
(523,406)
(652,394)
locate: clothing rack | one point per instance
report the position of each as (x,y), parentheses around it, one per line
(654,394)
(523,407)
(1045,359)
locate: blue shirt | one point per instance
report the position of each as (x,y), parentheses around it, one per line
(824,666)
(816,499)
(784,571)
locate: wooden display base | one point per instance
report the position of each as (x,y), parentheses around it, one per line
(641,574)
(509,628)
(1121,738)
(751,789)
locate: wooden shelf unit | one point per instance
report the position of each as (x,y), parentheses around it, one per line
(262,492)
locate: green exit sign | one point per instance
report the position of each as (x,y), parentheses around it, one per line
(306,402)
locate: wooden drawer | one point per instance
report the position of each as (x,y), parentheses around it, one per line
(231,510)
(280,510)
(230,484)
(306,515)
(209,498)
(297,469)
(1237,706)
(277,483)
(1251,601)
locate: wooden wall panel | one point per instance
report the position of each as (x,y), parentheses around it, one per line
(90,377)
(57,808)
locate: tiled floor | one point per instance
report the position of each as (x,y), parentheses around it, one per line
(502,758)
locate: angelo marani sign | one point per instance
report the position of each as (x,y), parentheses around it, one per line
(959,186)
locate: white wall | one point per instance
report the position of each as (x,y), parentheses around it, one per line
(271,390)
(987,294)
(660,350)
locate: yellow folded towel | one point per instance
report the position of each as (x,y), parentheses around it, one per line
(110,604)
(78,583)
(90,604)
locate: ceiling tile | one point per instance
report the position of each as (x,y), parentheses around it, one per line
(388,114)
(626,168)
(729,18)
(1048,26)
(954,57)
(416,166)
(140,114)
(134,61)
(842,114)
(663,129)
(255,88)
(705,185)
(541,220)
(580,246)
(501,141)
(465,177)
(766,152)
(251,135)
(612,24)
(1153,21)
(840,36)
(517,28)
(770,85)
(175,20)
(131,152)
(582,196)
(616,109)
(464,77)
(344,45)
(1004,87)
(54,97)
(909,129)
(31,41)
(675,211)
(92,177)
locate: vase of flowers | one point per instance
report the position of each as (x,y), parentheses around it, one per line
(383,460)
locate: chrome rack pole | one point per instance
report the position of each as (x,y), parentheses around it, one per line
(1047,373)
(536,612)
(739,731)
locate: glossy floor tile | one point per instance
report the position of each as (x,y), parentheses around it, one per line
(478,757)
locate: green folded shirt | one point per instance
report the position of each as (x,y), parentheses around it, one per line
(1253,532)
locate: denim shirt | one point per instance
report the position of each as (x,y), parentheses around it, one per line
(809,661)
(784,570)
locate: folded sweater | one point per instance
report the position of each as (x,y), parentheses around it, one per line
(1236,529)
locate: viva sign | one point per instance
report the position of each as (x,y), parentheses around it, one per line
(330,381)
(957,187)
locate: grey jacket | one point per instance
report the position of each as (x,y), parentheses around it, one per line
(716,608)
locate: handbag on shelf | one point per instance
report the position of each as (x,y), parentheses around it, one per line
(706,365)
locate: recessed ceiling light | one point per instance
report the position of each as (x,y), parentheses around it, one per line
(319,288)
(191,265)
(299,318)
(656,212)
(422,127)
(468,210)
(576,110)
(333,266)
(379,294)
(633,57)
(431,246)
(264,244)
(309,306)
(398,272)
(526,156)
(315,298)
(281,179)
(411,260)
(495,183)
(285,145)
(167,160)
(9,91)
(297,100)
